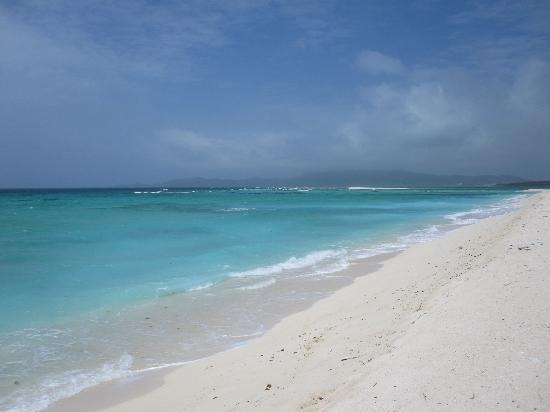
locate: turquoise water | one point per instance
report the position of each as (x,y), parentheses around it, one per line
(65,255)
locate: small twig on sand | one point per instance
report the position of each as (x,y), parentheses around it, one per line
(345,359)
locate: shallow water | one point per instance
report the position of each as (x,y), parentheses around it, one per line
(98,283)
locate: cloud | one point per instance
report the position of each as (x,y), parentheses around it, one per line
(124,37)
(316,21)
(140,38)
(442,119)
(495,35)
(157,90)
(526,16)
(482,105)
(374,62)
(235,153)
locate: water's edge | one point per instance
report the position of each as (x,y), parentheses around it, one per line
(131,383)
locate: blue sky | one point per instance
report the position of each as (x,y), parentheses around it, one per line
(105,93)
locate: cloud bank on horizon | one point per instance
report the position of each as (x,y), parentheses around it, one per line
(94,92)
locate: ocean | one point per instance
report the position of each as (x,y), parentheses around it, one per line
(99,284)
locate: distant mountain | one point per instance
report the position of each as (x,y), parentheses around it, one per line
(350,178)
(528,184)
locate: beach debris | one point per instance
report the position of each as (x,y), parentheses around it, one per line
(16,382)
(345,359)
(524,248)
(267,387)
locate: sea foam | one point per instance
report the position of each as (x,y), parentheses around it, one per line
(293,263)
(60,386)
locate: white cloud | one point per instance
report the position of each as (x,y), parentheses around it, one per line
(374,62)
(452,120)
(117,37)
(435,120)
(316,21)
(139,37)
(492,36)
(236,152)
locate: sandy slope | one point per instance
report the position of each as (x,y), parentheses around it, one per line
(460,323)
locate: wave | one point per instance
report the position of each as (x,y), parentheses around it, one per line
(293,263)
(163,191)
(237,209)
(376,188)
(246,335)
(201,287)
(323,262)
(329,261)
(272,189)
(259,285)
(54,388)
(461,218)
(473,215)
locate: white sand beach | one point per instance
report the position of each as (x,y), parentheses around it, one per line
(459,323)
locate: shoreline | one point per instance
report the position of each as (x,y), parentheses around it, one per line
(262,307)
(144,380)
(156,385)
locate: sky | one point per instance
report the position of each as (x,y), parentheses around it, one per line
(103,93)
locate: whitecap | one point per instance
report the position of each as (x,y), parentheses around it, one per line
(473,215)
(237,209)
(376,188)
(201,287)
(64,385)
(293,263)
(259,285)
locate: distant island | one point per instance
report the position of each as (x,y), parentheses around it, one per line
(528,184)
(393,178)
